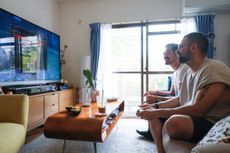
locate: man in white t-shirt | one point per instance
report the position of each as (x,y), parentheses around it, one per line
(171,59)
(204,98)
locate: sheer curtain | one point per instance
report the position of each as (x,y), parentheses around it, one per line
(188,25)
(104,75)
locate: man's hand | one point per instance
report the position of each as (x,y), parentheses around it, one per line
(156,92)
(151,99)
(146,106)
(147,114)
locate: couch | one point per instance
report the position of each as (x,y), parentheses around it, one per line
(211,143)
(13,122)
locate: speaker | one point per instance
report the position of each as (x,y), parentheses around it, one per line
(31,90)
(62,86)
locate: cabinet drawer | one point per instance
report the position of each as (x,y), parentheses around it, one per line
(51,104)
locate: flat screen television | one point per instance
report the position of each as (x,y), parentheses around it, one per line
(29,54)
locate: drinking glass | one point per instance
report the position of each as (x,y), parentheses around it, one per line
(101,102)
(86,96)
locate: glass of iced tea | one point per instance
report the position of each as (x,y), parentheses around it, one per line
(101,102)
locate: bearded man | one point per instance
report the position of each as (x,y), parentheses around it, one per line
(204,98)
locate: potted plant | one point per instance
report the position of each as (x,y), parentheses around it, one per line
(90,83)
(89,78)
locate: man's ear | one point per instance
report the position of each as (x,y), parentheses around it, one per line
(193,47)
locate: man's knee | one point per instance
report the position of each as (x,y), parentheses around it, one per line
(171,126)
(176,126)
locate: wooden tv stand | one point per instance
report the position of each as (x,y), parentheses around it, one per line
(43,105)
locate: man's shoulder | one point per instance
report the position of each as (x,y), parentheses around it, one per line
(214,62)
(183,68)
(214,65)
(214,71)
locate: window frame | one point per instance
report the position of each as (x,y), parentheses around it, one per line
(145,70)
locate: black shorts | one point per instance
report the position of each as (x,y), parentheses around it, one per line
(163,120)
(201,127)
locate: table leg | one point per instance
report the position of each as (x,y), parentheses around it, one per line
(116,127)
(63,151)
(95,147)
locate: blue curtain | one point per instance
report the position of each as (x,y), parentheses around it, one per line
(169,82)
(94,47)
(205,25)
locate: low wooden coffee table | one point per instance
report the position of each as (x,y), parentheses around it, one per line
(86,126)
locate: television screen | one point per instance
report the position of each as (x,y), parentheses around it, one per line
(29,54)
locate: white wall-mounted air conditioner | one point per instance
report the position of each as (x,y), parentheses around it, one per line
(199,7)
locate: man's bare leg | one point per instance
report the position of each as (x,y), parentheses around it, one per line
(179,127)
(156,130)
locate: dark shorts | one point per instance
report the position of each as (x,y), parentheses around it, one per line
(201,127)
(163,120)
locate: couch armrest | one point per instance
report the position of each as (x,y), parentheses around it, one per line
(212,148)
(14,109)
(175,146)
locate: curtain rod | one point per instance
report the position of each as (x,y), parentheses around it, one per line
(143,23)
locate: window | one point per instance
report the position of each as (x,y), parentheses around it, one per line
(137,59)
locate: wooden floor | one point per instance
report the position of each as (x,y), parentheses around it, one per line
(33,134)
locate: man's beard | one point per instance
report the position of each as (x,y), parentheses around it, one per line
(166,61)
(185,58)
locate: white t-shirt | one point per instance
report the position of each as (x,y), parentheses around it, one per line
(177,78)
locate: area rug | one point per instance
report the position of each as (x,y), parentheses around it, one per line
(123,139)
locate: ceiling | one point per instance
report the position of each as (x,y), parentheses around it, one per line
(67,0)
(64,0)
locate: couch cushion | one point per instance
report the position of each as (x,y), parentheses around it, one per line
(212,148)
(220,132)
(215,140)
(12,137)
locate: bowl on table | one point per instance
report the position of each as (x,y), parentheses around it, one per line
(73,110)
(68,108)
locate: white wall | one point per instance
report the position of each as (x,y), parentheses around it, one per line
(77,15)
(222,40)
(44,13)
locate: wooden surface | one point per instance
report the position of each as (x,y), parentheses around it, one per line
(36,109)
(43,105)
(66,98)
(51,104)
(86,126)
